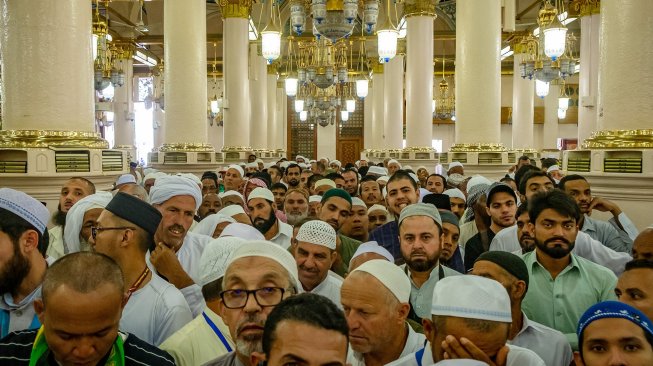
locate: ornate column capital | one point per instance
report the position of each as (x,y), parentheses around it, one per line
(124,50)
(424,8)
(273,69)
(235,8)
(519,42)
(584,8)
(376,66)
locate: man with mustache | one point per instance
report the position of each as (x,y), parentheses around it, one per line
(315,253)
(72,191)
(618,233)
(402,192)
(295,205)
(334,209)
(370,191)
(233,178)
(177,252)
(261,208)
(258,276)
(292,175)
(501,205)
(23,239)
(211,204)
(450,254)
(351,181)
(420,228)
(562,285)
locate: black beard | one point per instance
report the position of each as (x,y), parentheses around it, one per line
(14,272)
(59,217)
(264,225)
(293,182)
(420,265)
(555,252)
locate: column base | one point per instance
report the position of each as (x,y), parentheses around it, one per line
(184,157)
(236,153)
(130,149)
(51,138)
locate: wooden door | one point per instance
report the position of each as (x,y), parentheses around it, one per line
(349,135)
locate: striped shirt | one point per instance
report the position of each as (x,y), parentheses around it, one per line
(16,348)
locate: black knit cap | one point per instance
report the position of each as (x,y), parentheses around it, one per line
(136,211)
(508,261)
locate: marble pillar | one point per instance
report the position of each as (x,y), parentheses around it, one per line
(588,77)
(377,115)
(258,89)
(523,107)
(393,103)
(419,79)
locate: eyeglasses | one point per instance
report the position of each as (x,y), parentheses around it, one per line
(95,230)
(266,296)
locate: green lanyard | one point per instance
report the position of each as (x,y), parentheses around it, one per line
(40,351)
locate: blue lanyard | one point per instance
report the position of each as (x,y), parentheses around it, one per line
(217,332)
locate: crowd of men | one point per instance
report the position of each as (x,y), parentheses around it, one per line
(315,263)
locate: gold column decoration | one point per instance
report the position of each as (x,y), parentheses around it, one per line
(124,50)
(51,138)
(519,42)
(187,147)
(273,69)
(376,66)
(478,148)
(620,139)
(584,8)
(235,8)
(420,8)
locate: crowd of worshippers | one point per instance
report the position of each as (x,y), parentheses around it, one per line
(313,263)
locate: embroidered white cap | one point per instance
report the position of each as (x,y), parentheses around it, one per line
(317,232)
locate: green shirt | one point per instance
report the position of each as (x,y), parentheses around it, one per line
(348,247)
(560,303)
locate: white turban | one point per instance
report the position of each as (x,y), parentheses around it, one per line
(154,175)
(377,208)
(337,162)
(232,210)
(208,224)
(75,219)
(192,177)
(243,231)
(170,186)
(237,168)
(455,193)
(231,193)
(394,161)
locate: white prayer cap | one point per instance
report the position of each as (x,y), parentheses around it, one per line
(284,164)
(414,176)
(238,168)
(259,161)
(268,165)
(355,201)
(192,177)
(472,297)
(384,191)
(208,224)
(372,247)
(461,362)
(384,178)
(454,164)
(312,161)
(317,232)
(377,170)
(394,161)
(390,275)
(357,163)
(476,180)
(154,175)
(422,167)
(216,254)
(314,198)
(377,208)
(26,207)
(125,178)
(231,193)
(268,249)
(408,167)
(75,218)
(337,162)
(251,165)
(243,231)
(553,168)
(325,182)
(232,210)
(260,192)
(304,166)
(299,157)
(455,193)
(170,186)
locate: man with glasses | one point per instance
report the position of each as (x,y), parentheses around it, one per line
(155,309)
(258,276)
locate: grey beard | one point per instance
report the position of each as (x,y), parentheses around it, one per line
(293,219)
(246,347)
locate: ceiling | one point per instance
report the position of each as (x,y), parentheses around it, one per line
(124,15)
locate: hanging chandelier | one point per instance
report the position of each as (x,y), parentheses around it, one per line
(332,19)
(444,103)
(549,56)
(271,35)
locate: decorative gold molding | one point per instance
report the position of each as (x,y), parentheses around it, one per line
(419,149)
(424,8)
(51,138)
(620,139)
(187,147)
(377,67)
(584,7)
(125,147)
(235,9)
(480,147)
(236,149)
(272,69)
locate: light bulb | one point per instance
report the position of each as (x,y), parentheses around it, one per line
(562,113)
(214,107)
(344,116)
(291,86)
(299,105)
(563,103)
(362,88)
(541,88)
(303,116)
(271,45)
(351,105)
(387,43)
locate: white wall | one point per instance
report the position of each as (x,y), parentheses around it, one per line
(326,141)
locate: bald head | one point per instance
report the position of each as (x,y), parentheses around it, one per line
(643,245)
(135,190)
(83,272)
